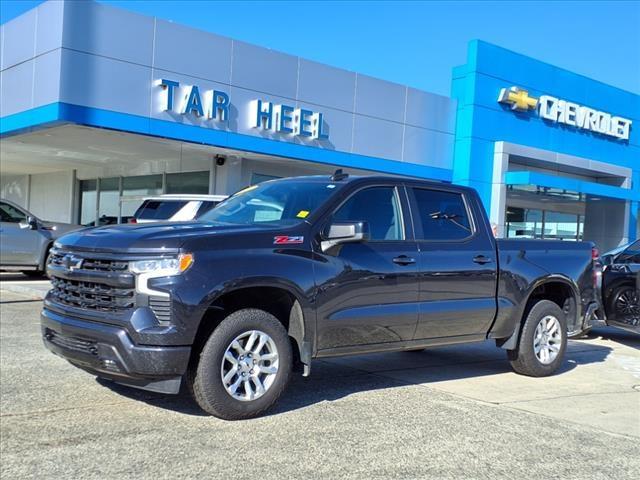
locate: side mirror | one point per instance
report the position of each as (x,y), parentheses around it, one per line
(339,233)
(31,223)
(606,260)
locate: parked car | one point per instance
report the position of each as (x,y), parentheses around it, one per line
(620,286)
(174,208)
(231,303)
(25,239)
(108,220)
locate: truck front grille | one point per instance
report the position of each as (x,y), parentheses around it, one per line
(90,264)
(91,295)
(161,307)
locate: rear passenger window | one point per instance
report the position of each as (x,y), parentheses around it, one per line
(378,206)
(442,215)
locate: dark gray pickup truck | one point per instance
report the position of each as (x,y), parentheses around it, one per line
(302,268)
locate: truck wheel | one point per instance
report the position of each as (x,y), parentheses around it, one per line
(244,367)
(543,341)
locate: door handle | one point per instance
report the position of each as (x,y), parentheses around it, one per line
(404,260)
(481,259)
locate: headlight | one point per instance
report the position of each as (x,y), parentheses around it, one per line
(159,267)
(172,266)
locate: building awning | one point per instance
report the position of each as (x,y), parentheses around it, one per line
(570,184)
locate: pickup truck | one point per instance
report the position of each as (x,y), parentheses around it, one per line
(310,267)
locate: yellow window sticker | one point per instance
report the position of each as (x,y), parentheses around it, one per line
(303,214)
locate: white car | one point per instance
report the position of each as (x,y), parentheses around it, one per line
(175,208)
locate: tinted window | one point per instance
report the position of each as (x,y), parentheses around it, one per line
(378,207)
(631,254)
(443,215)
(159,209)
(11,214)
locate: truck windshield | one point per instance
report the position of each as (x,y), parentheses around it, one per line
(277,202)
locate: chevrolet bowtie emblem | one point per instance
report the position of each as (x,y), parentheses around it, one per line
(72,262)
(518,98)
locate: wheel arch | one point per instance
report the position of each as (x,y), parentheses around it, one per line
(561,290)
(275,296)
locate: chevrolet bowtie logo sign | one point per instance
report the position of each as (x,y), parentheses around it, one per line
(557,110)
(518,98)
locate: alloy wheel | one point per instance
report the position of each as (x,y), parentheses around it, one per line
(249,365)
(547,339)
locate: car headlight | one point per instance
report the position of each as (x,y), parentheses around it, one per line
(162,267)
(158,267)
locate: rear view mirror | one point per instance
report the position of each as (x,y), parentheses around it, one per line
(339,233)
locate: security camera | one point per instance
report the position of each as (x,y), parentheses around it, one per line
(220,159)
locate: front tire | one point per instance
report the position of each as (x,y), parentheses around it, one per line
(625,305)
(543,341)
(244,367)
(33,273)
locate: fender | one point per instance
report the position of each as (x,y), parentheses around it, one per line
(301,318)
(42,264)
(511,342)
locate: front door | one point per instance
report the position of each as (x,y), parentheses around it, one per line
(457,265)
(19,244)
(367,293)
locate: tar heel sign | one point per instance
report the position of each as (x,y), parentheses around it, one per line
(286,119)
(214,106)
(557,110)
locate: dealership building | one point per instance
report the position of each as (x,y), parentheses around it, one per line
(100,105)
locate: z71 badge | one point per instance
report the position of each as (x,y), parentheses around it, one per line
(287,240)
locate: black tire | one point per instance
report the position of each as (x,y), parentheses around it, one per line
(625,305)
(208,389)
(33,273)
(524,360)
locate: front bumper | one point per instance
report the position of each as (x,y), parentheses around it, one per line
(108,352)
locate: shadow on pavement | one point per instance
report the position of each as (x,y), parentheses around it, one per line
(330,381)
(616,335)
(21,277)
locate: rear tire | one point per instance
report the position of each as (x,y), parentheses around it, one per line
(543,341)
(250,350)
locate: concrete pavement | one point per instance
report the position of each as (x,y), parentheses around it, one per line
(16,282)
(452,412)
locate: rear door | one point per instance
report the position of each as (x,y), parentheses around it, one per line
(367,292)
(457,264)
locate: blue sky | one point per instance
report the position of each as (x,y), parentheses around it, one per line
(417,43)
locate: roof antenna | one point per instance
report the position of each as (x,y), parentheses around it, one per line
(338,175)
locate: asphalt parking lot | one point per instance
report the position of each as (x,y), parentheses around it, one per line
(452,412)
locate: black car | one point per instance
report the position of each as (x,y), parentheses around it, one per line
(620,286)
(312,267)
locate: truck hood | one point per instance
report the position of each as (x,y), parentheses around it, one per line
(149,236)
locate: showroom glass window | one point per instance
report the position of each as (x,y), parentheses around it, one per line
(196,183)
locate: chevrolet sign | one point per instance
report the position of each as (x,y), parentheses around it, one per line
(568,113)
